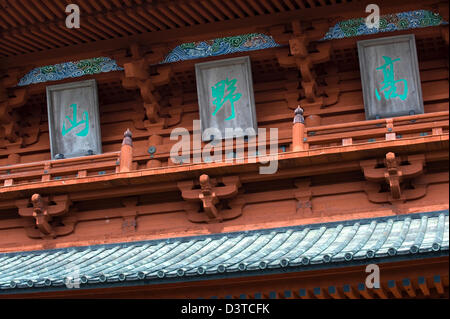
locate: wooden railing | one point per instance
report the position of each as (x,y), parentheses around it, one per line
(353,133)
(59,169)
(94,165)
(303,138)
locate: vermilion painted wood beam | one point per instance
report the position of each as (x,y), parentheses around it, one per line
(34,11)
(84,5)
(256,6)
(172,16)
(112,26)
(12,43)
(6,48)
(132,13)
(223,8)
(72,35)
(408,286)
(42,9)
(151,19)
(57,36)
(162,18)
(192,13)
(3,24)
(202,12)
(106,4)
(217,13)
(120,20)
(8,19)
(422,282)
(49,4)
(117,3)
(392,286)
(244,7)
(25,42)
(311,3)
(47,38)
(95,5)
(362,289)
(90,32)
(278,4)
(179,12)
(236,9)
(380,292)
(334,293)
(107,32)
(437,280)
(350,292)
(12,10)
(289,4)
(127,19)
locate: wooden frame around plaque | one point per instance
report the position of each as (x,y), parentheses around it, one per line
(390,76)
(74,119)
(225,95)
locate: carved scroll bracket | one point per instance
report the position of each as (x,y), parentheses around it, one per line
(10,99)
(50,215)
(218,198)
(300,57)
(142,72)
(401,176)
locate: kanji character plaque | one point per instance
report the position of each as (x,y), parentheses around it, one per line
(225,95)
(390,77)
(74,119)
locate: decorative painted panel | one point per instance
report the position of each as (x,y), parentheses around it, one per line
(225,94)
(220,46)
(74,119)
(69,70)
(390,76)
(388,23)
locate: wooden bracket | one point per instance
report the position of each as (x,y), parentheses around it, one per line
(45,212)
(399,174)
(299,56)
(8,102)
(218,199)
(138,74)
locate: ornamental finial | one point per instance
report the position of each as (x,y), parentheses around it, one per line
(127,138)
(298,118)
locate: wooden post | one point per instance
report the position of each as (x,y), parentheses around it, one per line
(8,182)
(390,135)
(436,130)
(298,130)
(46,176)
(154,142)
(347,141)
(126,152)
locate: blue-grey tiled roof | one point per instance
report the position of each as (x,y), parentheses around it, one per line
(294,248)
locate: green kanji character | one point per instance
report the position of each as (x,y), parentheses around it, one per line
(218,93)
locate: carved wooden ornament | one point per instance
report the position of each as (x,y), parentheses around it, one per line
(43,211)
(213,201)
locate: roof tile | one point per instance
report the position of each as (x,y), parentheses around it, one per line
(293,248)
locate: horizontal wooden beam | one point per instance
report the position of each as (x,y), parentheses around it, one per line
(204,31)
(294,164)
